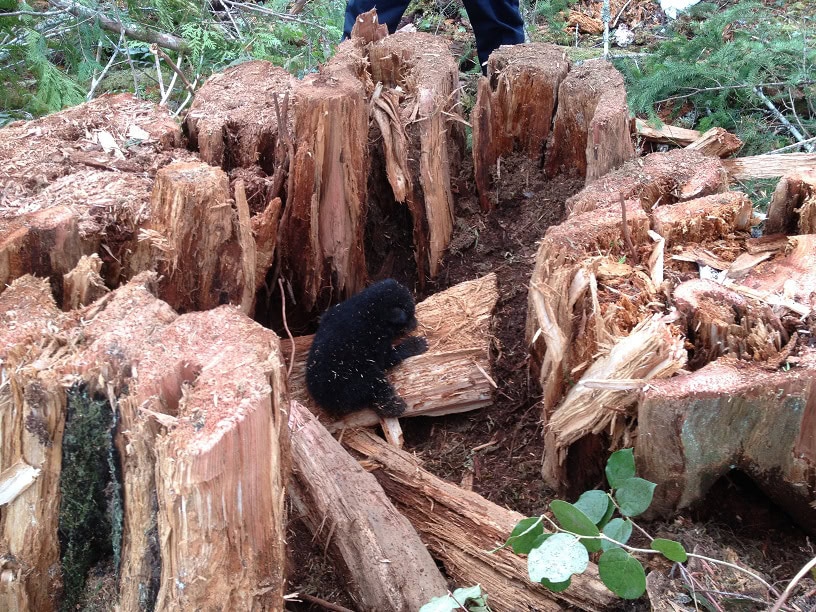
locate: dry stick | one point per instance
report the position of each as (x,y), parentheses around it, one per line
(155,49)
(286,327)
(320,602)
(782,119)
(627,237)
(789,589)
(95,81)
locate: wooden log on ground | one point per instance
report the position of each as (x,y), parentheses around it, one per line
(453,376)
(665,178)
(666,134)
(591,129)
(710,217)
(793,205)
(424,116)
(32,416)
(232,121)
(321,232)
(385,563)
(716,142)
(460,527)
(693,429)
(768,166)
(193,239)
(514,107)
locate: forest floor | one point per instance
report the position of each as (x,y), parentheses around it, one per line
(497,450)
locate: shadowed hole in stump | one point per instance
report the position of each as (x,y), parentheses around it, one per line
(172,385)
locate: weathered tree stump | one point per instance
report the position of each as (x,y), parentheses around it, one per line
(453,376)
(460,527)
(514,107)
(793,205)
(343,505)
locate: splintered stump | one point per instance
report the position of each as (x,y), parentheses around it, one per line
(452,376)
(793,205)
(385,563)
(202,443)
(461,528)
(514,107)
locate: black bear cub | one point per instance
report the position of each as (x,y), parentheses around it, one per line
(354,346)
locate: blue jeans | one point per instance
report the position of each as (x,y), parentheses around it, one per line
(494,23)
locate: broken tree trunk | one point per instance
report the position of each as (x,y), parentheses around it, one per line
(768,166)
(514,107)
(793,205)
(666,134)
(460,528)
(591,129)
(453,376)
(385,563)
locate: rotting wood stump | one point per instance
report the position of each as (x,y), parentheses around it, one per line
(202,437)
(460,528)
(793,205)
(344,506)
(624,331)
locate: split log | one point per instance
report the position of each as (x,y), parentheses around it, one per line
(193,239)
(321,231)
(693,429)
(717,142)
(460,528)
(701,219)
(666,134)
(514,107)
(793,205)
(232,121)
(591,129)
(83,284)
(453,376)
(665,178)
(768,166)
(788,280)
(418,107)
(386,565)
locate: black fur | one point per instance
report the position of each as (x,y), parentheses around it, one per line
(354,346)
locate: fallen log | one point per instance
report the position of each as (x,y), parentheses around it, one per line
(518,78)
(716,142)
(666,134)
(707,218)
(461,528)
(768,166)
(385,564)
(453,376)
(793,205)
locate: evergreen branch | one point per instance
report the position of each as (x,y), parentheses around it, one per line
(782,119)
(725,87)
(282,16)
(136,32)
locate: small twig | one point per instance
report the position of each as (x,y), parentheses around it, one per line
(781,118)
(795,145)
(286,327)
(95,81)
(158,51)
(627,237)
(282,16)
(327,605)
(789,589)
(620,12)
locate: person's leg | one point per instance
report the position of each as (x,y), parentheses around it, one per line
(494,23)
(389,12)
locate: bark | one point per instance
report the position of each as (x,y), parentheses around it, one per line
(793,205)
(768,166)
(344,506)
(453,376)
(591,130)
(460,528)
(520,78)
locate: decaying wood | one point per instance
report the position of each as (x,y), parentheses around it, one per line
(793,205)
(701,219)
(234,135)
(193,238)
(692,429)
(83,284)
(768,166)
(666,134)
(664,178)
(385,563)
(453,376)
(321,232)
(717,142)
(368,28)
(519,78)
(591,129)
(585,23)
(460,528)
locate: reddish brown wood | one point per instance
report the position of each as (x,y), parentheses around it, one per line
(793,205)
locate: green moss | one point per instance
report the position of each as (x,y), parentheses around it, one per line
(90,522)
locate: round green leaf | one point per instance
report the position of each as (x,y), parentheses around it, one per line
(572,519)
(610,510)
(558,558)
(556,587)
(622,573)
(634,496)
(620,467)
(672,550)
(524,534)
(594,504)
(448,603)
(540,540)
(619,530)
